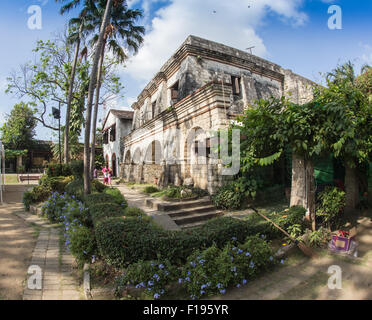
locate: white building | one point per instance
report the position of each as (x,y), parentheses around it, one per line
(117,124)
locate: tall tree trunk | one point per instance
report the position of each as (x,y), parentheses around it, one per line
(66,147)
(95,112)
(92,84)
(351,188)
(303,186)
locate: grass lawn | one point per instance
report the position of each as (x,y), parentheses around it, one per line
(11,179)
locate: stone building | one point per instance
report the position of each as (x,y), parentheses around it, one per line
(200,89)
(117,124)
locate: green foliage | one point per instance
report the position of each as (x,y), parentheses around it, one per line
(98,186)
(212,271)
(105,210)
(82,243)
(11,154)
(58,170)
(36,195)
(97,198)
(18,129)
(77,168)
(117,196)
(55,184)
(76,188)
(318,238)
(153,276)
(332,204)
(134,212)
(120,241)
(150,189)
(233,195)
(228,197)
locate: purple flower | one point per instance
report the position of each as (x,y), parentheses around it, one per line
(156,296)
(223,291)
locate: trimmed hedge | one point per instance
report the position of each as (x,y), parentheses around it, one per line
(94,199)
(121,242)
(105,210)
(117,195)
(125,241)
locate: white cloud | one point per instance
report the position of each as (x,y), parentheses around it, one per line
(232,23)
(367,54)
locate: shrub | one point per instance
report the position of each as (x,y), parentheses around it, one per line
(54,207)
(318,238)
(36,195)
(117,195)
(153,276)
(105,210)
(58,170)
(150,189)
(81,243)
(28,200)
(56,184)
(138,213)
(98,198)
(227,198)
(332,203)
(214,270)
(98,186)
(121,241)
(221,230)
(76,188)
(134,212)
(77,168)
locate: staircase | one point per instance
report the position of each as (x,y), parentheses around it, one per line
(188,214)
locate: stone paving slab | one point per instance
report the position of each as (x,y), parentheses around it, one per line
(58,283)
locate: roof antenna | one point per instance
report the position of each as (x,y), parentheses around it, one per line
(250,49)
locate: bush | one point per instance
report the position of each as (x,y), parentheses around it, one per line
(227,198)
(77,168)
(153,276)
(117,195)
(221,230)
(105,210)
(150,189)
(81,243)
(121,241)
(58,170)
(214,270)
(97,198)
(134,212)
(56,184)
(332,204)
(28,200)
(98,186)
(36,195)
(76,188)
(138,213)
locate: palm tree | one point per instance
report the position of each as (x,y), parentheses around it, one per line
(121,28)
(93,79)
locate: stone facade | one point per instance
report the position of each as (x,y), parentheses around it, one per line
(117,124)
(200,89)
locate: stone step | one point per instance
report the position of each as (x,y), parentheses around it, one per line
(193,225)
(190,211)
(178,206)
(197,217)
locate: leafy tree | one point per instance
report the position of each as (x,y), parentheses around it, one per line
(348,125)
(270,126)
(19,129)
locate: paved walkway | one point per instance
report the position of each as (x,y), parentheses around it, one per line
(17,240)
(20,250)
(55,263)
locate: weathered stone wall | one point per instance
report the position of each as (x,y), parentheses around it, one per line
(204,71)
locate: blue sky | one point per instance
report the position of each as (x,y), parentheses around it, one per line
(291,33)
